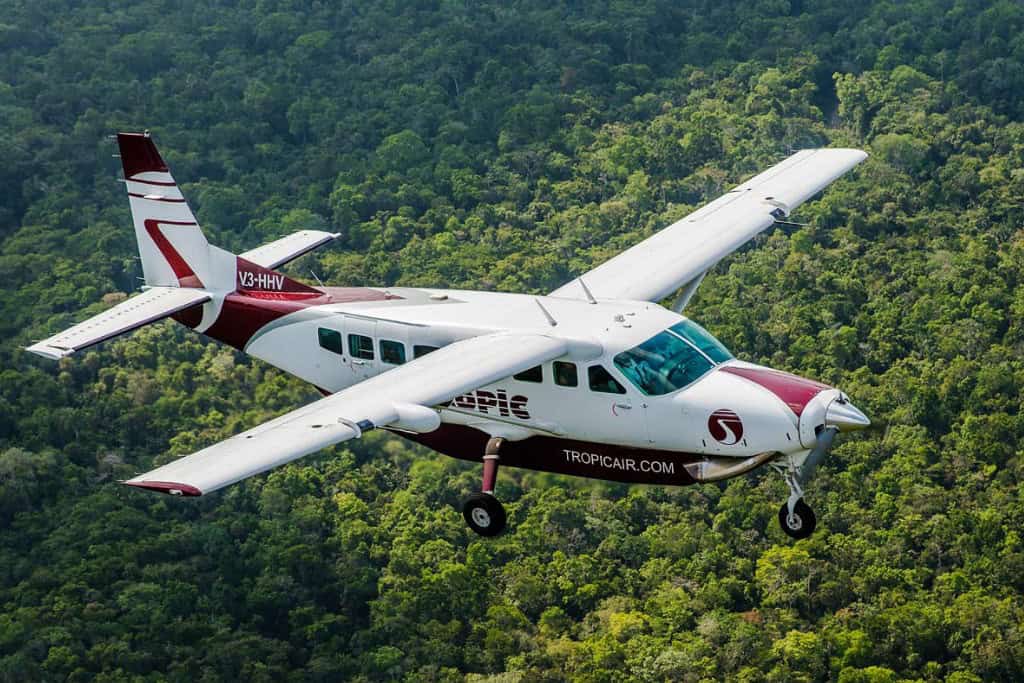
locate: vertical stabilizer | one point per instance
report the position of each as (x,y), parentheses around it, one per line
(174,250)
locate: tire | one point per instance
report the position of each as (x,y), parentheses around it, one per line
(803,522)
(484,514)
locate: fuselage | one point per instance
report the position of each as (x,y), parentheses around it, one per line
(637,399)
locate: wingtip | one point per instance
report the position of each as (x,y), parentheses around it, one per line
(48,352)
(169,487)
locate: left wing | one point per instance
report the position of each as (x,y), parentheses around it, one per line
(288,248)
(681,253)
(402,397)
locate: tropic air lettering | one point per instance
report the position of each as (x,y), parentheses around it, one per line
(624,464)
(499,401)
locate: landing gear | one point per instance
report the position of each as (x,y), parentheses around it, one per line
(482,511)
(484,514)
(796,517)
(800,522)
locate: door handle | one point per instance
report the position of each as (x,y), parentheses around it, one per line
(624,406)
(356,361)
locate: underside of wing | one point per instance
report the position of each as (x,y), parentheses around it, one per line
(152,305)
(404,397)
(681,253)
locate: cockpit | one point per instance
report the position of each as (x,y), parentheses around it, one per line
(672,359)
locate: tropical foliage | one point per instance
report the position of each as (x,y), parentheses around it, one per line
(508,147)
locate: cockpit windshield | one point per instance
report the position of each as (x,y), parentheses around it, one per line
(702,339)
(662,364)
(670,360)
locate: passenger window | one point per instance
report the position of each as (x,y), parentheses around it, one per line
(534,374)
(392,352)
(418,350)
(565,374)
(360,346)
(330,340)
(602,380)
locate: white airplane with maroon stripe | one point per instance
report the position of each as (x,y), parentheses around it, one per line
(595,379)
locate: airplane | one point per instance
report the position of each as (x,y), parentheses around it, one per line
(595,379)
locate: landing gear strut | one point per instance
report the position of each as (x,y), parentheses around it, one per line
(795,517)
(482,511)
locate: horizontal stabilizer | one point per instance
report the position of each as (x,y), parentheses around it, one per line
(276,253)
(152,305)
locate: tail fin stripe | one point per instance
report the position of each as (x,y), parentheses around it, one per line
(158,198)
(152,182)
(186,276)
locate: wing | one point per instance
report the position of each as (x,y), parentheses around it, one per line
(288,248)
(152,305)
(401,397)
(684,251)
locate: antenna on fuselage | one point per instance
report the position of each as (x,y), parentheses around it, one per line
(551,320)
(586,290)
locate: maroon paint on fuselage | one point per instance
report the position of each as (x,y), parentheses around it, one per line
(564,456)
(795,392)
(244,312)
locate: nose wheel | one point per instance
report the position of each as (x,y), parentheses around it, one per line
(482,511)
(798,523)
(795,516)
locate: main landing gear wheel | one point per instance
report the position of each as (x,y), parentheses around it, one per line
(484,514)
(799,524)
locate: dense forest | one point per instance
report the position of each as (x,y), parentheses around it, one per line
(509,146)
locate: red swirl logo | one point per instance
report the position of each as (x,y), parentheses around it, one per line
(726,427)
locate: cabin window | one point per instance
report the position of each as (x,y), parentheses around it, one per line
(702,339)
(662,364)
(419,350)
(360,346)
(330,340)
(602,380)
(392,352)
(565,374)
(534,374)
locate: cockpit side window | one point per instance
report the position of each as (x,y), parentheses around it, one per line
(702,339)
(662,364)
(602,380)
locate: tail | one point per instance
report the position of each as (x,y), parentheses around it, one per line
(172,246)
(182,270)
(174,250)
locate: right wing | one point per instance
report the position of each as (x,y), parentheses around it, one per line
(288,248)
(681,253)
(152,305)
(403,396)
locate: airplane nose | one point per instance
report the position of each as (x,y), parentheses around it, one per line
(845,417)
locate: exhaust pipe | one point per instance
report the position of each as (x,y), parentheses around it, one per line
(717,469)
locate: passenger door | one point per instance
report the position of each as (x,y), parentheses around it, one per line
(361,347)
(607,409)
